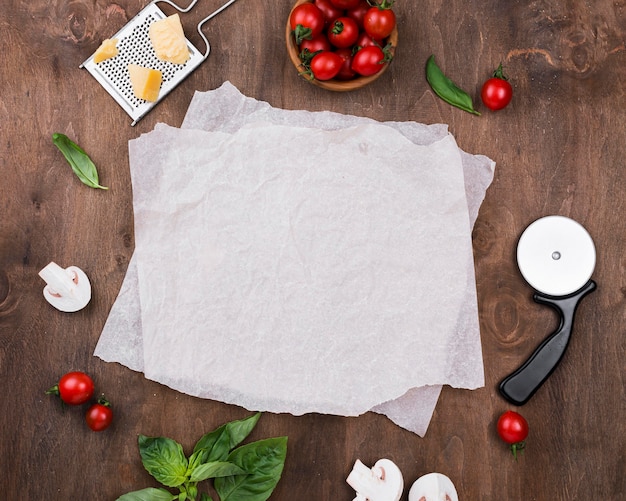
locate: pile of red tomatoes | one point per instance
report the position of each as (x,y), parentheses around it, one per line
(343,39)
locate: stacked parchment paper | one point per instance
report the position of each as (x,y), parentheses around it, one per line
(290,261)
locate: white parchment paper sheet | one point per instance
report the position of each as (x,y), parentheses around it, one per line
(227,109)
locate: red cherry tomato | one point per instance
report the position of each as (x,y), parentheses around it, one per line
(497,92)
(368,60)
(379,22)
(343,32)
(365,40)
(513,429)
(326,65)
(99,416)
(329,10)
(74,388)
(358,13)
(346,72)
(306,21)
(345,4)
(316,44)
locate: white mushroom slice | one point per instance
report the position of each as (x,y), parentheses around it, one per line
(433,487)
(383,482)
(68,289)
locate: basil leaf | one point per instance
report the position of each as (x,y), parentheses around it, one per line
(216,445)
(205,497)
(164,459)
(446,89)
(149,494)
(264,461)
(80,162)
(214,469)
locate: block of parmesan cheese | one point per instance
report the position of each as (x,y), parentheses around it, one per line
(146,82)
(168,40)
(107,49)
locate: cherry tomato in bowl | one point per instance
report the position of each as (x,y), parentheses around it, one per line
(497,92)
(74,388)
(513,429)
(379,21)
(100,415)
(306,21)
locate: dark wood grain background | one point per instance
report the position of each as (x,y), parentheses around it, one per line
(560,148)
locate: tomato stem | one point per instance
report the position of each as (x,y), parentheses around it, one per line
(499,73)
(382,5)
(518,446)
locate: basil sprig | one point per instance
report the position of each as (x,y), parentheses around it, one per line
(446,89)
(80,162)
(246,473)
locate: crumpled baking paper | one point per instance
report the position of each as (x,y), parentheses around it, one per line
(290,261)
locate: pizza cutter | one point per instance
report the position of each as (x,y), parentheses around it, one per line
(135,47)
(556,256)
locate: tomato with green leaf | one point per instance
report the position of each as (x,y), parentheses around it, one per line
(100,415)
(497,92)
(513,429)
(306,21)
(343,32)
(379,21)
(326,65)
(74,388)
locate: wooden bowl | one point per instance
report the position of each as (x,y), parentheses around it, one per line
(334,84)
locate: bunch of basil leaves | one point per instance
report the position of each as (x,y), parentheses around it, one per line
(246,473)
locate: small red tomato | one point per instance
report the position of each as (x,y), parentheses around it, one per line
(306,21)
(368,60)
(100,415)
(513,429)
(365,40)
(346,72)
(74,388)
(316,44)
(497,92)
(326,65)
(329,10)
(379,22)
(343,32)
(345,4)
(358,13)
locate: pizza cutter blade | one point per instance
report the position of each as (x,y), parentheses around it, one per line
(556,256)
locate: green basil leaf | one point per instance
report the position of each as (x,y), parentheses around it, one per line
(149,494)
(205,497)
(214,469)
(264,461)
(164,459)
(80,162)
(216,445)
(446,89)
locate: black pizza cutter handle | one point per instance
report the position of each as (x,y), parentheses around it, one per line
(522,384)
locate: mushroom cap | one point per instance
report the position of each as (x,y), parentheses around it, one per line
(433,487)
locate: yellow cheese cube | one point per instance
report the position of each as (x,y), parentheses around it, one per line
(168,40)
(146,82)
(107,49)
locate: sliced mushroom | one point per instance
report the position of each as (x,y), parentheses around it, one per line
(383,482)
(433,487)
(68,289)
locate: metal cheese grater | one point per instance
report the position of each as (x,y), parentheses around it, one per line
(134,46)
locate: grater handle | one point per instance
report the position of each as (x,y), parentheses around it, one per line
(210,16)
(179,9)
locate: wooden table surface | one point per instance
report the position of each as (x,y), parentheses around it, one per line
(560,148)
